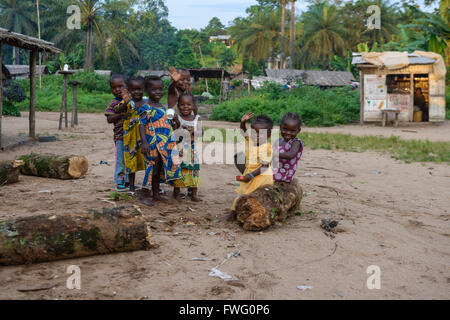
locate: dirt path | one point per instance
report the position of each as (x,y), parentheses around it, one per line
(397,219)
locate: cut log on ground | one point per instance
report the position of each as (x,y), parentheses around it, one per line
(9,171)
(54,166)
(267,205)
(53,237)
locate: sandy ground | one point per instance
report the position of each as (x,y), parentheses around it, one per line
(397,219)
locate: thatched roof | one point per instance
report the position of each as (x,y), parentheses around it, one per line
(26,42)
(23,70)
(313,77)
(6,75)
(209,73)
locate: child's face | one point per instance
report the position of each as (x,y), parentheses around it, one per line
(136,89)
(185,81)
(289,128)
(155,90)
(260,133)
(117,85)
(186,105)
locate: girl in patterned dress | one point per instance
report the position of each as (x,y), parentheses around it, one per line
(289,148)
(162,162)
(134,160)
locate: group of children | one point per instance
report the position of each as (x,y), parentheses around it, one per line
(147,139)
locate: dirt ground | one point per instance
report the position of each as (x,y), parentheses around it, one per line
(391,214)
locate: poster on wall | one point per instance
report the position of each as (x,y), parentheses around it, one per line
(375,95)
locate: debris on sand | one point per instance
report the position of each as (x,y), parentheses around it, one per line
(224,276)
(304,288)
(329,225)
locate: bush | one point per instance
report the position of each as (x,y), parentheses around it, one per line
(316,107)
(13,94)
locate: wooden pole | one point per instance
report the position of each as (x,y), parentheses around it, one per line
(32,93)
(66,120)
(361,98)
(39,36)
(1,94)
(203,64)
(74,120)
(292,35)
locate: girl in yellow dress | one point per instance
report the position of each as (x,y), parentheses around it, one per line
(258,155)
(134,159)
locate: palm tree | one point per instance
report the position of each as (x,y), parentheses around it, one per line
(17,16)
(323,34)
(257,35)
(292,34)
(283,29)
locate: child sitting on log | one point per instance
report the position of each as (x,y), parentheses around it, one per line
(190,166)
(158,140)
(134,159)
(115,114)
(258,155)
(288,149)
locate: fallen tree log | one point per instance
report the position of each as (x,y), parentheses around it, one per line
(267,205)
(54,166)
(9,171)
(49,237)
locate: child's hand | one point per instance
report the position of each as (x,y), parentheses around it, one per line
(247,116)
(175,122)
(174,74)
(247,178)
(145,149)
(126,95)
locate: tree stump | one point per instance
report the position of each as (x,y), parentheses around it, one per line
(54,166)
(262,208)
(9,171)
(49,237)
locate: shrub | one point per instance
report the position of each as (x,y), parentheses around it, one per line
(13,94)
(316,107)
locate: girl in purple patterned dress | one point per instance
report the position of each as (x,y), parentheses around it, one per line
(289,148)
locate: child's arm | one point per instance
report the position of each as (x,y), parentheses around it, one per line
(244,119)
(249,176)
(295,149)
(113,118)
(145,147)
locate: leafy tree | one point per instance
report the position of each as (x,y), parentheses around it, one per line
(17,15)
(214,27)
(185,57)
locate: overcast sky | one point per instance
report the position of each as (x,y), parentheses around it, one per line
(195,14)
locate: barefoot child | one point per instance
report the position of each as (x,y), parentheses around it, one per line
(190,166)
(289,148)
(115,114)
(181,83)
(158,140)
(134,160)
(258,155)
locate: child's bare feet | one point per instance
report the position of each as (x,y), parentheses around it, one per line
(158,197)
(194,195)
(146,201)
(196,198)
(231,215)
(144,197)
(177,194)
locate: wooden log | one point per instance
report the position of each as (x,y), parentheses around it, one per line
(53,237)
(267,205)
(54,166)
(9,171)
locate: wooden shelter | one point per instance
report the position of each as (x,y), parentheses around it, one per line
(20,71)
(34,45)
(391,89)
(209,73)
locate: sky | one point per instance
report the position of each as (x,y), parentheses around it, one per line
(195,14)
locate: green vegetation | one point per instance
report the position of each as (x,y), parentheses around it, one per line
(406,150)
(400,149)
(316,107)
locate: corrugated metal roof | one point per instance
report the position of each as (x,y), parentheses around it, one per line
(24,69)
(313,77)
(412,59)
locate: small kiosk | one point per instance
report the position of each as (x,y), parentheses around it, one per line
(390,84)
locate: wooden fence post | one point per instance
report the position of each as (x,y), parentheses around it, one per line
(32,118)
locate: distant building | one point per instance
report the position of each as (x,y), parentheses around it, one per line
(323,79)
(19,72)
(225,39)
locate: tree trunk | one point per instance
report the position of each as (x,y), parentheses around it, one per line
(260,209)
(48,237)
(9,171)
(54,166)
(283,31)
(292,35)
(88,54)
